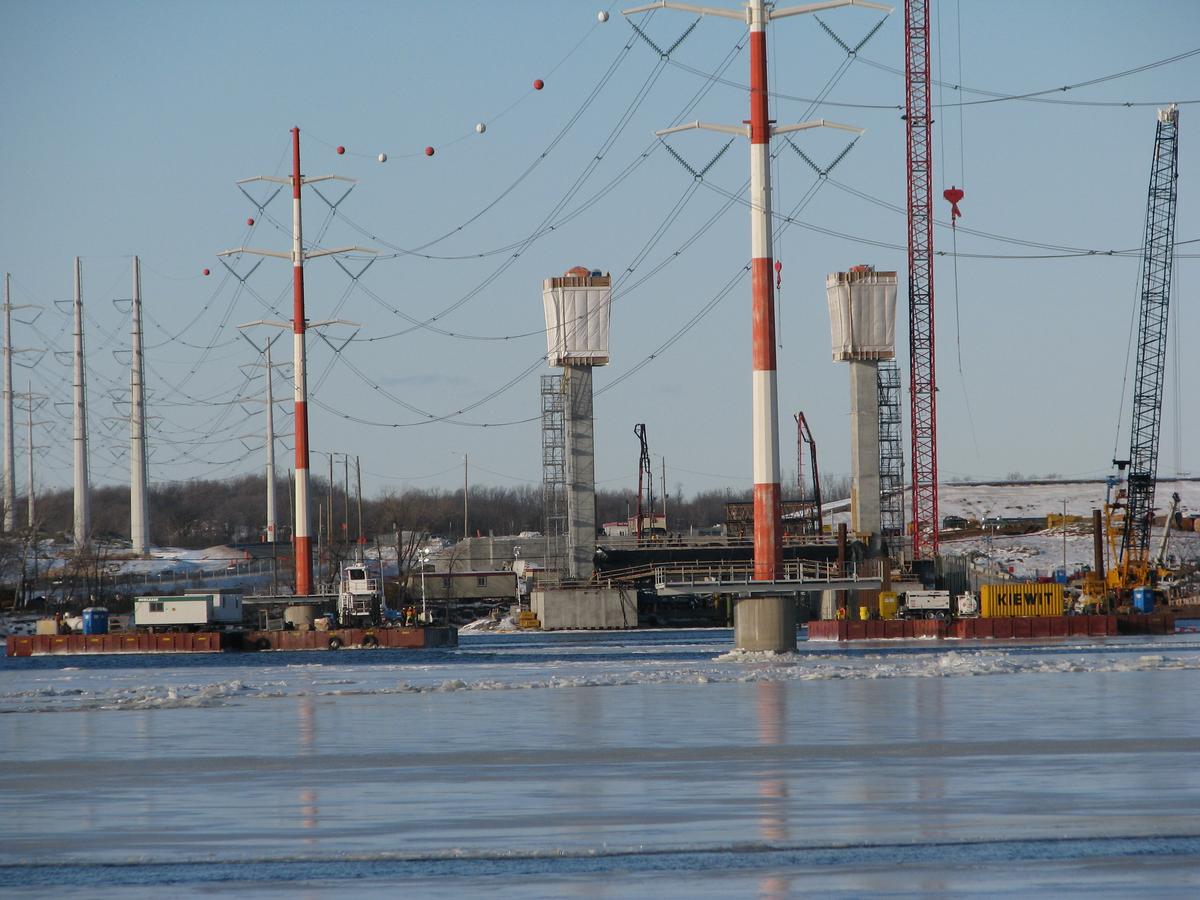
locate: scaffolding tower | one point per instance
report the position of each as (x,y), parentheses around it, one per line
(891,456)
(554,473)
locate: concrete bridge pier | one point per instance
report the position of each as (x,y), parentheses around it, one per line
(765,623)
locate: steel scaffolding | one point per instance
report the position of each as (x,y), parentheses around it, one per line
(554,473)
(891,453)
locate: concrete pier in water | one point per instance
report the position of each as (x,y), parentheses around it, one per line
(766,623)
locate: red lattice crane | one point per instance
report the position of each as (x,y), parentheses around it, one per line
(923,381)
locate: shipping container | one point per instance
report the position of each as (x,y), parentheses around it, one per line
(191,609)
(1020,599)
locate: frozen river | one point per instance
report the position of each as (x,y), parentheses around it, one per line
(607,765)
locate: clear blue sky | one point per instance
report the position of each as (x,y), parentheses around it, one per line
(126,125)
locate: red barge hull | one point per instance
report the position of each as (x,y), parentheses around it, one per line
(218,641)
(1005,628)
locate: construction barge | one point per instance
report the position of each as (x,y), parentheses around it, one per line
(217,622)
(408,638)
(1007,628)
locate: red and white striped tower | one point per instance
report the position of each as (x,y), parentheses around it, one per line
(765,402)
(768,546)
(302,537)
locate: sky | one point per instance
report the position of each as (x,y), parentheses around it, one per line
(127,125)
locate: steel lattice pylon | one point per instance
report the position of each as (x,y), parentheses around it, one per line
(1152,340)
(891,455)
(554,473)
(922,381)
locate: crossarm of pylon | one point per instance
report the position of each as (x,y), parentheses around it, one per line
(313,254)
(317,178)
(815,123)
(742,130)
(276,253)
(688,7)
(274,323)
(827,4)
(278,179)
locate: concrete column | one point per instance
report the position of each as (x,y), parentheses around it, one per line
(581,471)
(864,446)
(765,624)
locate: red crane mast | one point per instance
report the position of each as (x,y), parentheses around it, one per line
(923,381)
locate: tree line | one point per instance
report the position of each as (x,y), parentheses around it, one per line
(203,513)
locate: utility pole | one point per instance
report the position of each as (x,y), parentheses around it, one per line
(139,501)
(361,538)
(272,525)
(346,502)
(83,510)
(10,491)
(33,400)
(301,537)
(465,483)
(271,535)
(664,493)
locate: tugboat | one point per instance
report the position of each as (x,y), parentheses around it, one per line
(360,596)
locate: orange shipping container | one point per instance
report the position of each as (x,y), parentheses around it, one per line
(1019,598)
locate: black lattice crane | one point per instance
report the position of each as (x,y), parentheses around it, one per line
(1131,516)
(645,482)
(814,521)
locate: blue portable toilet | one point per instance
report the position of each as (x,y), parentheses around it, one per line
(95,620)
(1143,599)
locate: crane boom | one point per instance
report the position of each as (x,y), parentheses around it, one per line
(1158,256)
(922,380)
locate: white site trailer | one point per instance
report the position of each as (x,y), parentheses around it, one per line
(187,609)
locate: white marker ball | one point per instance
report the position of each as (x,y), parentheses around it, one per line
(383,157)
(602,16)
(480,128)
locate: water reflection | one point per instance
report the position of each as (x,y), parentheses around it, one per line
(309,810)
(771,704)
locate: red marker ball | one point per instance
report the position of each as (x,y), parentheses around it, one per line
(538,84)
(206,271)
(429,151)
(341,150)
(249,221)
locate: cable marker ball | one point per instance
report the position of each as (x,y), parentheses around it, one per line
(383,157)
(204,271)
(341,150)
(602,16)
(429,151)
(538,84)
(250,222)
(480,128)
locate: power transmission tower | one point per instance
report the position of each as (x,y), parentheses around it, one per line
(757,14)
(10,491)
(301,534)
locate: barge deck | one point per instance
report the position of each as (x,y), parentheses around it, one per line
(1022,627)
(411,638)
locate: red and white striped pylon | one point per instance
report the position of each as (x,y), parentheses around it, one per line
(301,534)
(768,540)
